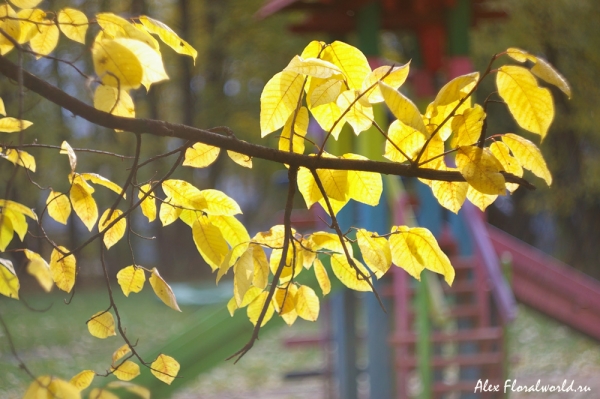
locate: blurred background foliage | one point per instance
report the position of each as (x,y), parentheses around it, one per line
(237,56)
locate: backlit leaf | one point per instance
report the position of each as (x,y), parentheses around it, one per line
(168,36)
(330,241)
(299,132)
(46,40)
(148,205)
(335,182)
(450,195)
(481,170)
(240,159)
(403,109)
(284,299)
(308,187)
(131,279)
(530,105)
(272,238)
(405,138)
(502,153)
(528,155)
(163,290)
(168,213)
(28,21)
(114,101)
(201,155)
(20,208)
(9,282)
(292,266)
(256,306)
(83,379)
(278,100)
(102,325)
(359,116)
(126,371)
(260,278)
(233,232)
(66,149)
(39,269)
(26,3)
(324,91)
(219,204)
(307,303)
(365,187)
(84,205)
(12,125)
(396,76)
(348,275)
(59,207)
(116,232)
(63,269)
(351,61)
(21,158)
(375,251)
(314,67)
(165,368)
(184,194)
(73,23)
(116,65)
(209,242)
(6,232)
(46,387)
(121,352)
(467,126)
(11,26)
(312,49)
(329,117)
(480,200)
(18,222)
(153,70)
(322,277)
(243,275)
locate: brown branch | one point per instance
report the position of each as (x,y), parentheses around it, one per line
(227,141)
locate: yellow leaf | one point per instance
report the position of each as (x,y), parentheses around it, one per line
(116,232)
(406,138)
(528,155)
(323,91)
(314,67)
(365,187)
(168,37)
(201,155)
(322,277)
(165,368)
(12,125)
(63,269)
(11,26)
(307,303)
(138,390)
(480,200)
(83,380)
(240,159)
(66,149)
(308,187)
(331,241)
(359,116)
(260,278)
(209,242)
(233,232)
(542,69)
(329,117)
(2,109)
(131,279)
(219,204)
(421,245)
(335,182)
(50,387)
(26,3)
(20,208)
(59,207)
(46,40)
(232,306)
(102,181)
(101,393)
(300,121)
(168,213)
(481,170)
(351,61)
(148,205)
(9,282)
(21,158)
(403,109)
(284,299)
(6,232)
(278,100)
(375,251)
(40,269)
(256,306)
(84,205)
(163,290)
(467,126)
(73,24)
(313,49)
(102,325)
(243,274)
(293,263)
(112,25)
(450,195)
(18,222)
(120,353)
(348,275)
(153,70)
(396,76)
(272,238)
(29,20)
(530,105)
(114,101)
(126,371)
(502,153)
(116,65)
(184,194)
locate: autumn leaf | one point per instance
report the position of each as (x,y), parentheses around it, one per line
(322,277)
(63,268)
(403,109)
(83,379)
(314,67)
(201,155)
(168,36)
(126,371)
(148,205)
(73,24)
(59,206)
(116,232)
(116,65)
(349,276)
(392,76)
(102,325)
(114,101)
(350,60)
(120,353)
(359,116)
(165,368)
(84,205)
(278,100)
(131,279)
(46,40)
(50,387)
(255,308)
(240,159)
(209,242)
(307,303)
(163,290)
(528,155)
(40,269)
(12,125)
(375,251)
(481,170)
(300,121)
(9,283)
(66,149)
